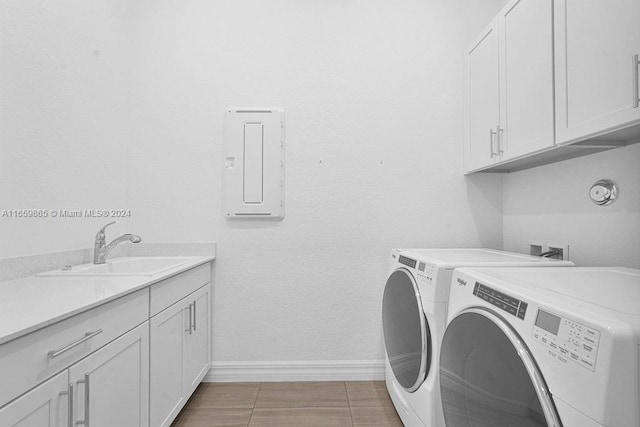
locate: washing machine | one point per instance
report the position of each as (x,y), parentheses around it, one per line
(414,313)
(542,347)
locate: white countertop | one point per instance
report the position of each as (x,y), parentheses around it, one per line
(32,303)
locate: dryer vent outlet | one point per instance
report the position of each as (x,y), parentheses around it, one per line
(536,249)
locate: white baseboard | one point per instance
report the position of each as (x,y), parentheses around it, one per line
(313,370)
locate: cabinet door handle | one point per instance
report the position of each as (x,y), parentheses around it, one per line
(70,406)
(86,400)
(189,328)
(69,393)
(194,315)
(636,95)
(87,336)
(492,133)
(499,131)
(87,412)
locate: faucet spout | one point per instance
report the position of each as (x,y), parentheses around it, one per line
(101,249)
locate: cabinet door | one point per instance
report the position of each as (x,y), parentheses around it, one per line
(112,384)
(198,342)
(526,77)
(169,330)
(483,97)
(47,405)
(596,41)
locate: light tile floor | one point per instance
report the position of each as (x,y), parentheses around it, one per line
(300,404)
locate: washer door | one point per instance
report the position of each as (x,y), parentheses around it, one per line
(488,376)
(406,331)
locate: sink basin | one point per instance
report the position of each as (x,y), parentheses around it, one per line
(139,266)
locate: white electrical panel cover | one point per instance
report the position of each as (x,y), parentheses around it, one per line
(253,185)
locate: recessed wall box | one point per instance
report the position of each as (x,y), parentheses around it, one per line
(536,248)
(603,192)
(253,182)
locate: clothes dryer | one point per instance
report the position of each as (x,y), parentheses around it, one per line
(414,312)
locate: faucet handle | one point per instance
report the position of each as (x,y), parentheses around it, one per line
(100,233)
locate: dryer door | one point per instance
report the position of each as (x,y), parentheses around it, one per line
(406,331)
(488,377)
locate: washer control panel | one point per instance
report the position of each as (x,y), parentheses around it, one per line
(567,339)
(501,300)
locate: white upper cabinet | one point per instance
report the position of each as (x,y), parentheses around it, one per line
(483,100)
(526,77)
(596,67)
(562,76)
(510,86)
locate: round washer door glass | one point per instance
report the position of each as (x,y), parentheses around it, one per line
(488,378)
(406,332)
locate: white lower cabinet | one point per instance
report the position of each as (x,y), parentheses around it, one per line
(197,344)
(180,354)
(112,384)
(167,361)
(45,406)
(108,388)
(131,362)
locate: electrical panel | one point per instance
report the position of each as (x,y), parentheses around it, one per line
(253,184)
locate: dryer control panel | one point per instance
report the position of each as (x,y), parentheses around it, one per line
(423,271)
(567,339)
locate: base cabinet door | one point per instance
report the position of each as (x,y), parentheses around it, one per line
(198,344)
(597,43)
(47,405)
(169,330)
(180,354)
(112,384)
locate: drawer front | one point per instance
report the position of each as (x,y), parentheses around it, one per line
(29,360)
(170,291)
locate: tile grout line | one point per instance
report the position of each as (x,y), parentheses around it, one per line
(348,402)
(254,403)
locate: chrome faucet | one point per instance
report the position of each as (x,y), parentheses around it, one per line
(101,249)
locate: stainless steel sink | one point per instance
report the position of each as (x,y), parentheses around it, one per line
(137,266)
